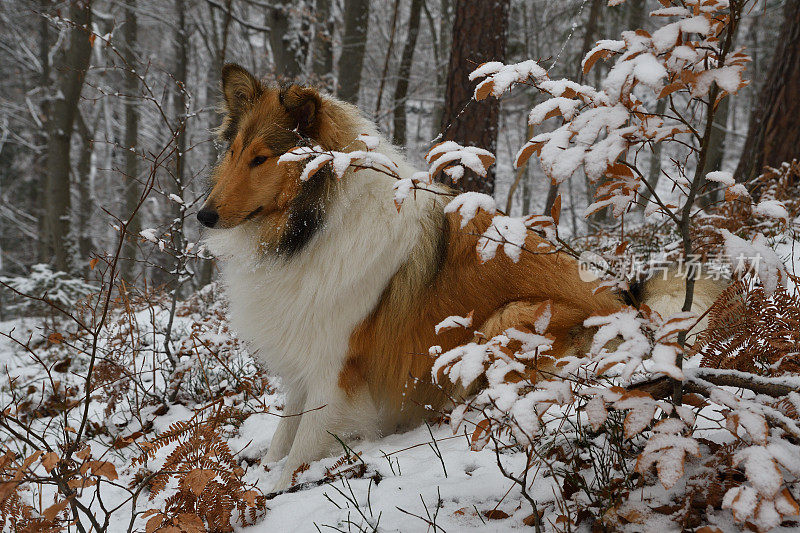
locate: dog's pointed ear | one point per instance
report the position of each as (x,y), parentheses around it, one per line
(239,88)
(303,104)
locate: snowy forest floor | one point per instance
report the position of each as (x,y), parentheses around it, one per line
(427,471)
(425,479)
(179,416)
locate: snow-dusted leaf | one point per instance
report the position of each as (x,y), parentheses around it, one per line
(314,166)
(449,154)
(453,322)
(509,232)
(498,77)
(757,256)
(721,177)
(772,209)
(642,410)
(760,468)
(596,410)
(667,449)
(468,204)
(149,234)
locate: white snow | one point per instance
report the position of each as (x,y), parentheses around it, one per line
(772,209)
(719,176)
(468,204)
(149,234)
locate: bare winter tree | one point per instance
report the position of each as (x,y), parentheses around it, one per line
(70,76)
(774,131)
(479,35)
(354,42)
(401,89)
(131,139)
(288,38)
(322,65)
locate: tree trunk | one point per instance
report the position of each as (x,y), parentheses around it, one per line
(40,162)
(479,35)
(654,172)
(180,74)
(386,58)
(354,43)
(84,170)
(401,89)
(637,14)
(716,150)
(322,65)
(773,135)
(288,39)
(60,125)
(181,141)
(131,176)
(445,42)
(716,146)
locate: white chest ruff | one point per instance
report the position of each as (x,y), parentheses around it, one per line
(298,314)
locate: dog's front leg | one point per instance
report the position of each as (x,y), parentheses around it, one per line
(287,427)
(328,412)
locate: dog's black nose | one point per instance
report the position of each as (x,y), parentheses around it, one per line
(208,217)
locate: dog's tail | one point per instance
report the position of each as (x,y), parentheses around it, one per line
(664,291)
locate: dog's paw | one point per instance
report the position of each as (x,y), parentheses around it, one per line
(272,456)
(283,482)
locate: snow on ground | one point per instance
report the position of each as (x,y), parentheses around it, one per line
(402,482)
(402,474)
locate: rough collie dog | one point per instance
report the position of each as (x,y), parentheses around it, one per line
(338,293)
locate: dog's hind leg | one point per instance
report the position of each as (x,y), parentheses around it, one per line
(287,427)
(565,325)
(329,412)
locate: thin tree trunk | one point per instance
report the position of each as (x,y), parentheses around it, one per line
(716,145)
(527,190)
(637,14)
(386,58)
(131,142)
(181,68)
(521,174)
(773,135)
(479,35)
(40,163)
(716,150)
(401,89)
(654,170)
(445,41)
(84,170)
(60,125)
(323,44)
(354,43)
(288,38)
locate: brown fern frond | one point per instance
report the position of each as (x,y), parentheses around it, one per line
(751,332)
(209,478)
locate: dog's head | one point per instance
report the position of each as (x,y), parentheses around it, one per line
(262,123)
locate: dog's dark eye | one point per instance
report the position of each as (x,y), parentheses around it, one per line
(257,160)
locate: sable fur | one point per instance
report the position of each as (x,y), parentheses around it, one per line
(338,293)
